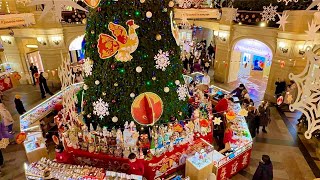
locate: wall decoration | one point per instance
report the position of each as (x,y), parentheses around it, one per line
(312,31)
(55,7)
(122,43)
(147,108)
(287,1)
(283,20)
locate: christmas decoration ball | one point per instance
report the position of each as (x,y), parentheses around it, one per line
(104,93)
(158,37)
(97,82)
(166,89)
(154,78)
(132,95)
(99,9)
(114,119)
(85,87)
(171,4)
(177,82)
(142,1)
(113,101)
(149,14)
(139,69)
(116,84)
(84,21)
(113,66)
(92,31)
(89,116)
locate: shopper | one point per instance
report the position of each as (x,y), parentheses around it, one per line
(19,104)
(191,61)
(6,118)
(43,86)
(251,121)
(264,170)
(206,79)
(264,115)
(210,51)
(280,87)
(33,70)
(3,134)
(238,91)
(184,59)
(136,166)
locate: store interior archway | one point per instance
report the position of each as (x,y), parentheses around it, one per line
(250,65)
(75,49)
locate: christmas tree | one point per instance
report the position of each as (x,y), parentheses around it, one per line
(136,70)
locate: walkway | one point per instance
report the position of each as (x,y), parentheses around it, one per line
(280,143)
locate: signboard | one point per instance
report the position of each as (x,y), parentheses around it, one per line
(231,168)
(11,20)
(197,13)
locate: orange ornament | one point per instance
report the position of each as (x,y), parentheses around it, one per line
(177,128)
(92,3)
(21,137)
(204,123)
(147,108)
(231,115)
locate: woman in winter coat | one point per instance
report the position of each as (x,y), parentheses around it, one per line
(6,118)
(264,170)
(19,104)
(264,120)
(251,121)
(3,134)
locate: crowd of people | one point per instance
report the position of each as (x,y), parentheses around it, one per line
(198,58)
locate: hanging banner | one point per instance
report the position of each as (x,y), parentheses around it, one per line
(11,20)
(197,13)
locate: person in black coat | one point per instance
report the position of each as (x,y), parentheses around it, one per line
(251,121)
(43,86)
(191,61)
(280,87)
(33,70)
(19,104)
(264,170)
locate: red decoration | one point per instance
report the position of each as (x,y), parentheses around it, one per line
(92,3)
(204,123)
(231,115)
(21,137)
(58,107)
(36,75)
(147,108)
(280,100)
(113,66)
(17,76)
(55,139)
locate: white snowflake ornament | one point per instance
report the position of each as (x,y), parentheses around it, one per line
(182,92)
(287,1)
(162,60)
(308,97)
(87,67)
(269,13)
(100,108)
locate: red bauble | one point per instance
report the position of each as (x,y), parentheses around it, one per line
(113,101)
(113,66)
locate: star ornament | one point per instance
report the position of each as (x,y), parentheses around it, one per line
(283,20)
(243,112)
(312,31)
(207,64)
(217,121)
(55,7)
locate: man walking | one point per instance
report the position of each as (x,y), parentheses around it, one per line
(33,70)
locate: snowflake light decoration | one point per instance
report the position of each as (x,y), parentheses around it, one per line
(87,67)
(308,97)
(182,92)
(100,108)
(162,60)
(269,13)
(287,1)
(24,2)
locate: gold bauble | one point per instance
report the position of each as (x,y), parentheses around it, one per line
(158,37)
(171,4)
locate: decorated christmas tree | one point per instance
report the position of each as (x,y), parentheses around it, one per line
(133,70)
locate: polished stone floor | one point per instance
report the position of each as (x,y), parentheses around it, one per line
(280,143)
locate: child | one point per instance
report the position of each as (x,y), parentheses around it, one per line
(19,104)
(136,166)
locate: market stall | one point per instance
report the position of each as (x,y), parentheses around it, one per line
(36,123)
(9,80)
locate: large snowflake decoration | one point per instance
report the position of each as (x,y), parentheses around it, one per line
(308,98)
(312,31)
(182,92)
(87,67)
(283,20)
(162,60)
(269,13)
(101,108)
(287,1)
(24,2)
(56,7)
